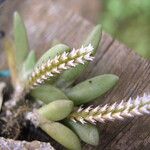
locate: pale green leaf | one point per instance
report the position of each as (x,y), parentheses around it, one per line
(90,89)
(87,132)
(21,40)
(47,93)
(52,52)
(28,65)
(62,134)
(56,110)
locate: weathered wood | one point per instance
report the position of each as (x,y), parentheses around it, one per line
(7,144)
(51,20)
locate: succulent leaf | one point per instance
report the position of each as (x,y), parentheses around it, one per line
(69,76)
(21,40)
(51,53)
(94,37)
(62,134)
(28,65)
(90,89)
(56,110)
(87,132)
(116,111)
(47,93)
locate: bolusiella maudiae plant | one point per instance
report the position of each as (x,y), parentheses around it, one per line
(50,81)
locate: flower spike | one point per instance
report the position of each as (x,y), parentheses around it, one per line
(116,111)
(60,63)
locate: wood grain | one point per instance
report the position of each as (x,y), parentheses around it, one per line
(51,20)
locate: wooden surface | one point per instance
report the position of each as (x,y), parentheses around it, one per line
(48,20)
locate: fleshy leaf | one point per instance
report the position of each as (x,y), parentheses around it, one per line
(87,132)
(62,134)
(69,76)
(56,110)
(51,53)
(47,93)
(28,65)
(21,40)
(90,89)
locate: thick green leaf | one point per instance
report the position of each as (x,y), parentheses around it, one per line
(21,40)
(47,93)
(90,89)
(69,76)
(94,37)
(56,110)
(28,65)
(62,134)
(87,132)
(51,53)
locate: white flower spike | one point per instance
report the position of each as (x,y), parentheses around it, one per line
(60,63)
(130,108)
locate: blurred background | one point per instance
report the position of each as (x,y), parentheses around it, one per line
(126,20)
(129,22)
